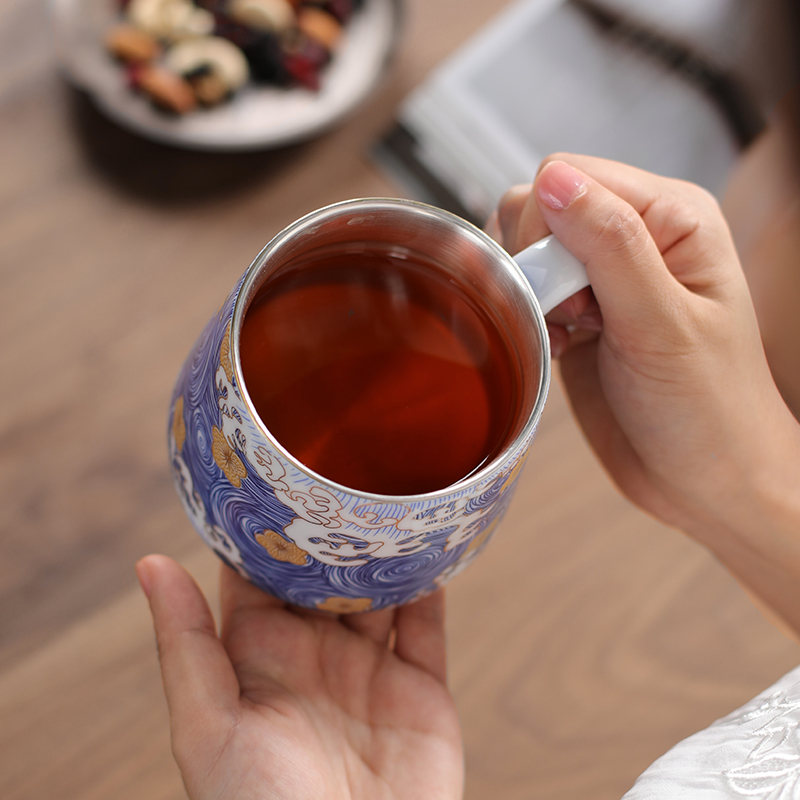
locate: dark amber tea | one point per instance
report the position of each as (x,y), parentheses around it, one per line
(378,371)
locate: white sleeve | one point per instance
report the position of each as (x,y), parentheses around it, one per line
(752,753)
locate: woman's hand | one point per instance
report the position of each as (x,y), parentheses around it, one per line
(667,376)
(296,704)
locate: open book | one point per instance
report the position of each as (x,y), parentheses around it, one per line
(563,75)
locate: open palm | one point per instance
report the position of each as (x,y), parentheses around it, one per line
(288,703)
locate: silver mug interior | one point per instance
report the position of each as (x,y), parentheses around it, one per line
(459,250)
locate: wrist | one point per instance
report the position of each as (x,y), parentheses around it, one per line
(754,528)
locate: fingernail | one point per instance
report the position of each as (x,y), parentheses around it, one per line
(591,320)
(508,213)
(143,574)
(558,340)
(559,185)
(492,228)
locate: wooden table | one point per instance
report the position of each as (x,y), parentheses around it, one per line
(586,640)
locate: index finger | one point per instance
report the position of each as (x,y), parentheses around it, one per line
(199,682)
(671,209)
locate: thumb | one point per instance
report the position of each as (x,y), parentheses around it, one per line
(609,236)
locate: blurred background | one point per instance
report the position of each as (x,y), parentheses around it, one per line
(586,640)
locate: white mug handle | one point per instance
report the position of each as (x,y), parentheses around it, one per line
(552,271)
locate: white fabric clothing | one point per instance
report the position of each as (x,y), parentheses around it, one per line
(752,753)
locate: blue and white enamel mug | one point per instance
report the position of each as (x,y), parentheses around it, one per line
(304,538)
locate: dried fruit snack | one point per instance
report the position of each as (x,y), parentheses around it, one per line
(183,54)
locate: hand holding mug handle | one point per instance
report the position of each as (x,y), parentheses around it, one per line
(674,394)
(552,271)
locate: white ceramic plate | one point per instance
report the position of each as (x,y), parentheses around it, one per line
(258,116)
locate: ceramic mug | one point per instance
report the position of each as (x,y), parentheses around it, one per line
(293,532)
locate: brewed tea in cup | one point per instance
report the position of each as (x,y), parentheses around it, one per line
(377,370)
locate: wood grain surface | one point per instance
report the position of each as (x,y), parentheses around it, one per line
(585,641)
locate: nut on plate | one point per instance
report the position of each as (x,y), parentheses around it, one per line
(320,26)
(209,88)
(170,19)
(132,44)
(265,15)
(210,55)
(166,89)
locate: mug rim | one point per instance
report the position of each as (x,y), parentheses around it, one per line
(249,286)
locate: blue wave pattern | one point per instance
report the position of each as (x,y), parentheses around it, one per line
(308,544)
